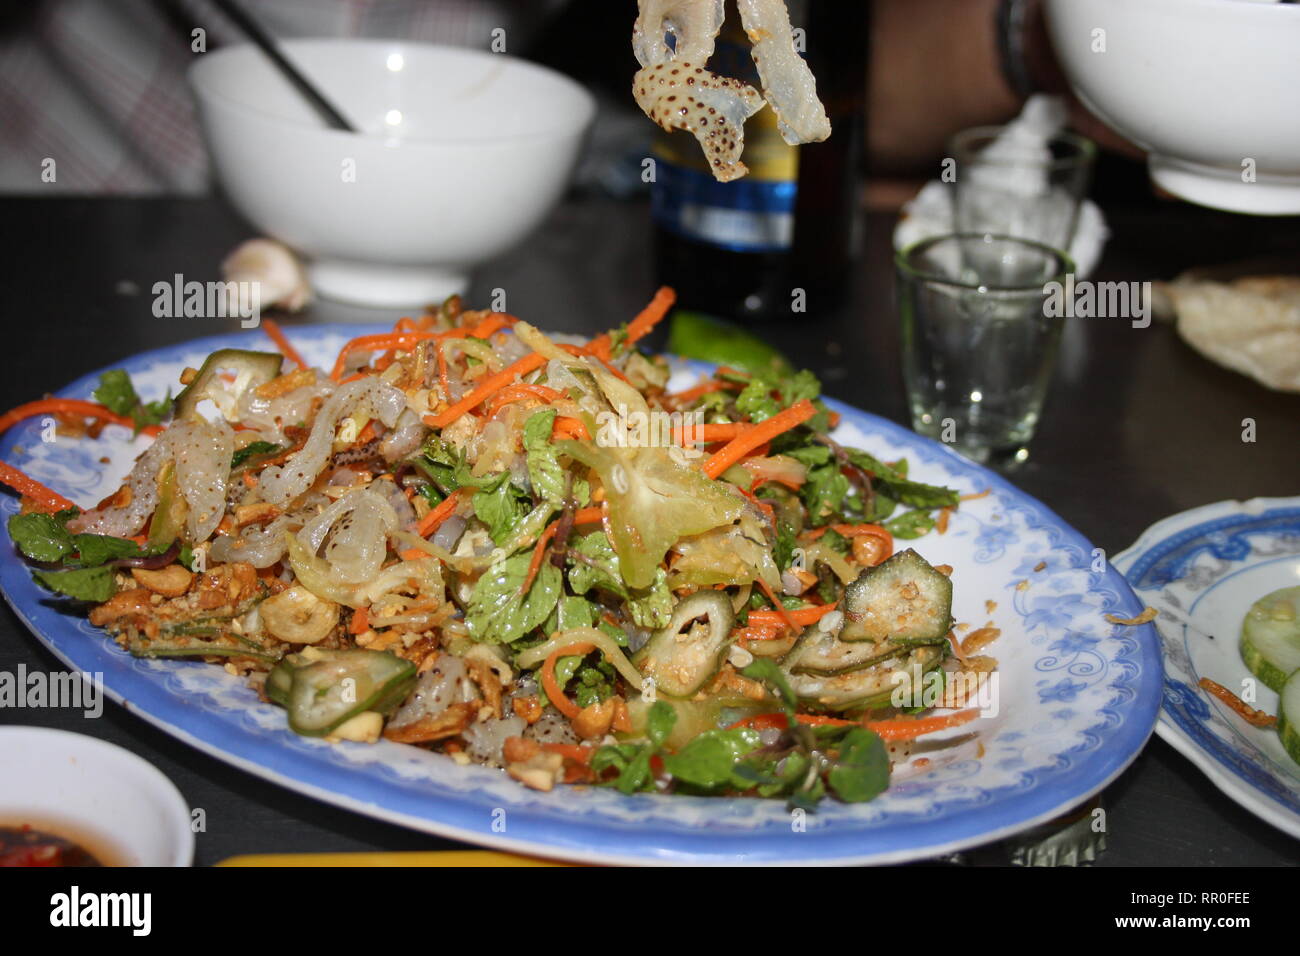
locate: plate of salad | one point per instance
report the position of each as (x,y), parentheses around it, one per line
(1223,579)
(561,596)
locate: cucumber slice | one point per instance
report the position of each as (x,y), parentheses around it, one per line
(867,688)
(1288,716)
(1270,637)
(902,598)
(251,370)
(823,654)
(338,685)
(681,657)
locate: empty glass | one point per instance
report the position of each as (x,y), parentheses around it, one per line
(1029,189)
(978,346)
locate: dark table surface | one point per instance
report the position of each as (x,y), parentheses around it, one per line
(1137,427)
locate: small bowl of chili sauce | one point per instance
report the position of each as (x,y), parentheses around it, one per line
(70,800)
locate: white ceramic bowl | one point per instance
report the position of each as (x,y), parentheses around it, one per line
(82,788)
(1210,88)
(460,157)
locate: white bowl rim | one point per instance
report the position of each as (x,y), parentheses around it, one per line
(205,88)
(1222,5)
(57,741)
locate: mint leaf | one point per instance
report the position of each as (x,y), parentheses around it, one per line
(97,549)
(84,584)
(650,607)
(499,613)
(544,470)
(501,508)
(861,771)
(42,537)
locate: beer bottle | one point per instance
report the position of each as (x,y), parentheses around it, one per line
(780,239)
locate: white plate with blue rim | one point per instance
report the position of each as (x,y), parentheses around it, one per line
(1203,569)
(1077,695)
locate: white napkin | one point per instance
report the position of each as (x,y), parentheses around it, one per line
(930,213)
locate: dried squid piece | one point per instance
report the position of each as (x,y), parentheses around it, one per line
(680,95)
(788,84)
(693,24)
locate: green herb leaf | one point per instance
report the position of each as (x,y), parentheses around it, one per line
(659,722)
(97,549)
(502,509)
(84,584)
(861,771)
(910,524)
(544,469)
(499,613)
(42,537)
(116,393)
(707,761)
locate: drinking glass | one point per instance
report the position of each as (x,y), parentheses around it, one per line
(1032,191)
(978,343)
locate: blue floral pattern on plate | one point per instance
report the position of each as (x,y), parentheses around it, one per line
(1203,568)
(1078,695)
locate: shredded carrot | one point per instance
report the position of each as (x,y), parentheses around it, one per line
(429,523)
(412,554)
(796,617)
(857,531)
(379,342)
(552,687)
(975,497)
(250,480)
(754,632)
(539,553)
(707,434)
(444,382)
(1256,718)
(522,392)
(360,622)
(783,614)
(941,523)
(486,389)
(707,387)
(759,434)
(602,346)
(909,728)
(589,516)
(274,333)
(366,434)
(651,315)
(45,498)
(69,406)
(777,721)
(570,428)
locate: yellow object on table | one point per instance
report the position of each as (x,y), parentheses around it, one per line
(435,858)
